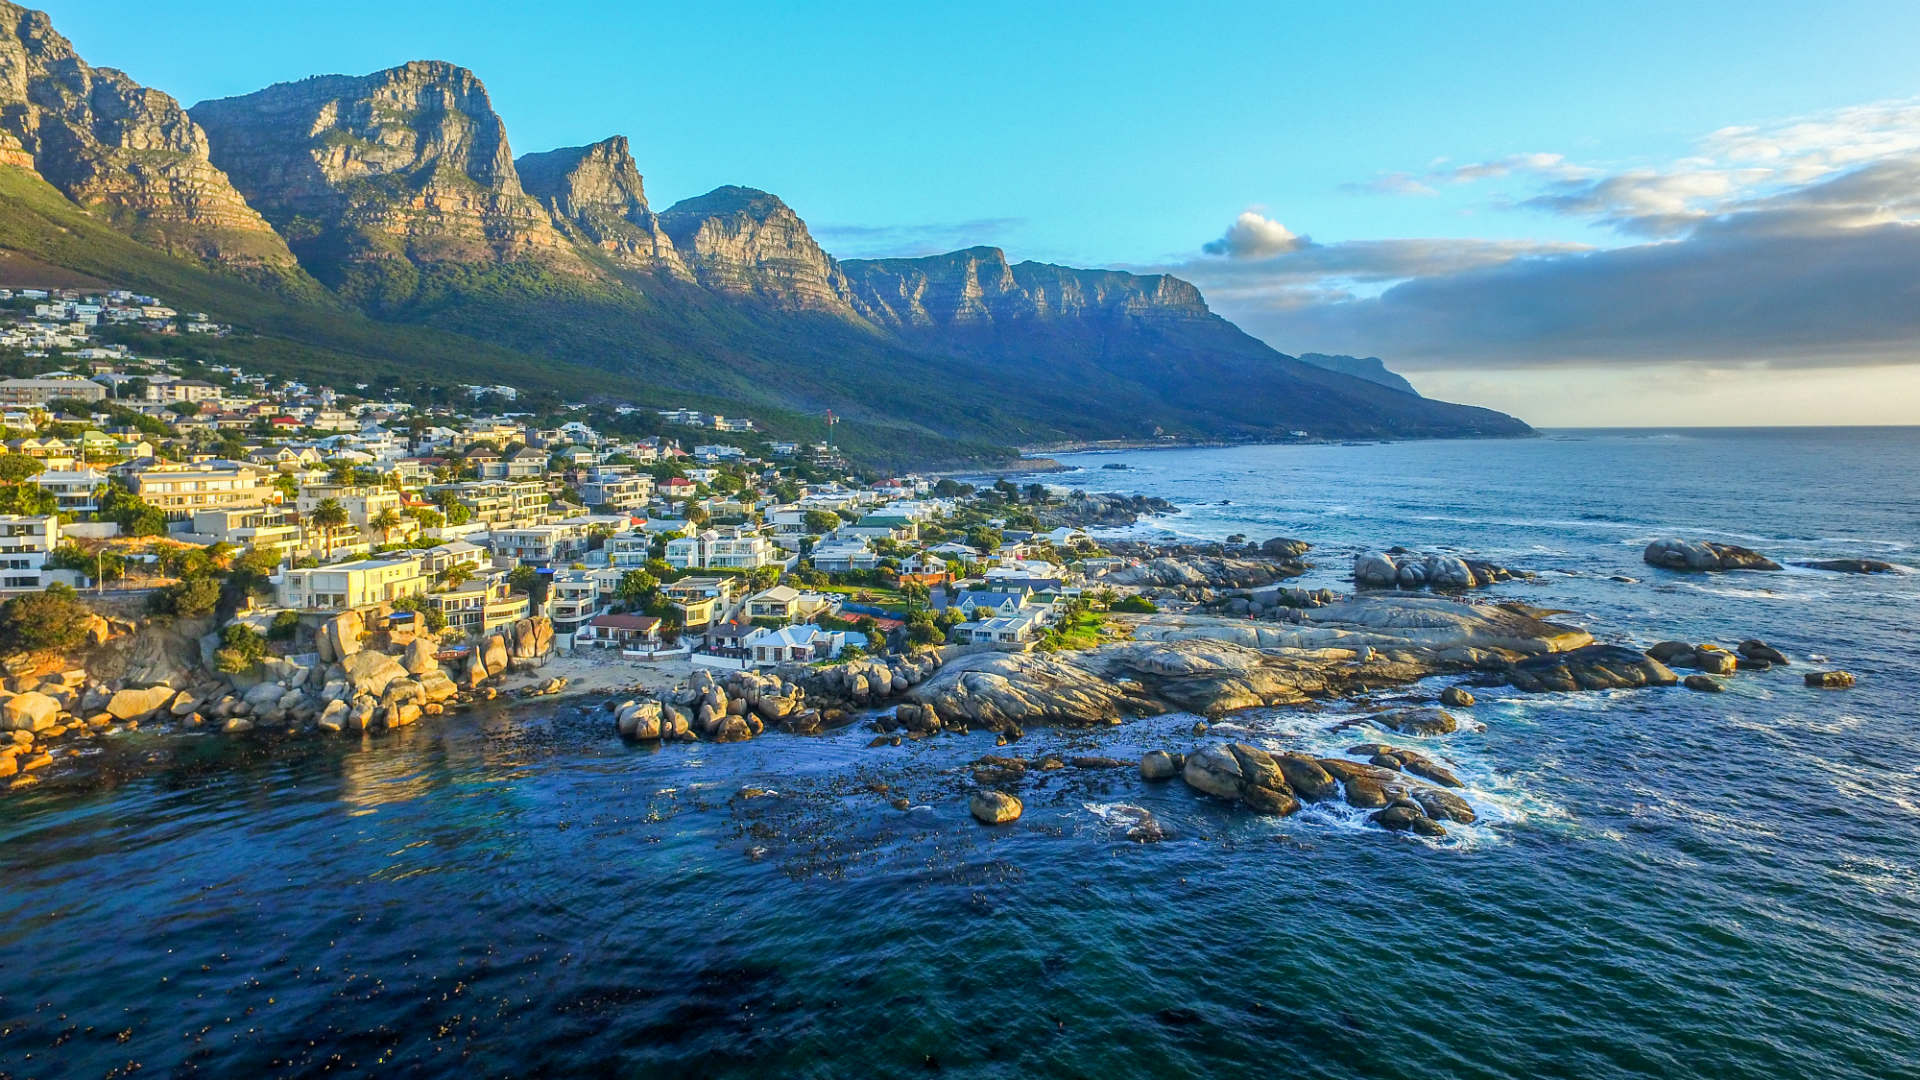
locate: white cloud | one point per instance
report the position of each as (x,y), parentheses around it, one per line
(1253,235)
(1790,246)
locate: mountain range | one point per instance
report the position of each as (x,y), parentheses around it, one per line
(381,226)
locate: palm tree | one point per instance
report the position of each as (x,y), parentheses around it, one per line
(386,521)
(328,515)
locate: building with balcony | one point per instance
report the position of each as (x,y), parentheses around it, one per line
(350,586)
(179,491)
(480,606)
(25,543)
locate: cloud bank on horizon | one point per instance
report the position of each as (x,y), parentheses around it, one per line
(1794,245)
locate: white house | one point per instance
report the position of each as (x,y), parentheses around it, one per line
(798,644)
(25,543)
(75,491)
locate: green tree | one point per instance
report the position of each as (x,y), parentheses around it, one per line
(284,626)
(287,485)
(189,597)
(241,649)
(430,615)
(922,630)
(328,515)
(457,512)
(636,589)
(135,516)
(53,618)
(821,522)
(105,565)
(985,538)
(18,468)
(1137,605)
(30,500)
(386,521)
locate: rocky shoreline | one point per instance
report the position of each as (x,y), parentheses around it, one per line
(1233,635)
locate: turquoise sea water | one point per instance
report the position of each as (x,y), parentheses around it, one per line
(1663,883)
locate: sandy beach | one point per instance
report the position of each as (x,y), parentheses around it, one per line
(599,672)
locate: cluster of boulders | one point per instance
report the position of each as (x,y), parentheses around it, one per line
(341,686)
(351,688)
(1278,784)
(732,707)
(1200,574)
(736,705)
(1704,556)
(1616,667)
(36,710)
(1398,568)
(1280,602)
(870,680)
(1101,509)
(1591,667)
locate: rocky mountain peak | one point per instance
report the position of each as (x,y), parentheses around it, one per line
(367,174)
(977,285)
(595,194)
(120,149)
(745,241)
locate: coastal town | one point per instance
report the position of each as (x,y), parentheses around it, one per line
(248,552)
(706,544)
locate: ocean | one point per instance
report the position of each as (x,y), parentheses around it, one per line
(1662,883)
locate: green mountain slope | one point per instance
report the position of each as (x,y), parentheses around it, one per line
(311,335)
(378,229)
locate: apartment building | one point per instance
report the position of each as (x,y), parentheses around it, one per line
(181,490)
(25,543)
(481,606)
(348,586)
(258,528)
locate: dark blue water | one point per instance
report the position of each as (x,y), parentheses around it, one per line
(1663,884)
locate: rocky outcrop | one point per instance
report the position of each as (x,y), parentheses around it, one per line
(977,286)
(1703,556)
(1204,572)
(1212,665)
(340,636)
(596,196)
(126,152)
(1242,773)
(1100,509)
(131,704)
(1402,569)
(1851,566)
(31,711)
(994,807)
(1595,667)
(746,242)
(372,177)
(531,641)
(1371,368)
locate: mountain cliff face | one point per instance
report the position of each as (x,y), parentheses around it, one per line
(399,193)
(596,196)
(1143,352)
(126,152)
(372,178)
(1371,368)
(977,286)
(745,242)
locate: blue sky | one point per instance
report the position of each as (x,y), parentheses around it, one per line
(1132,134)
